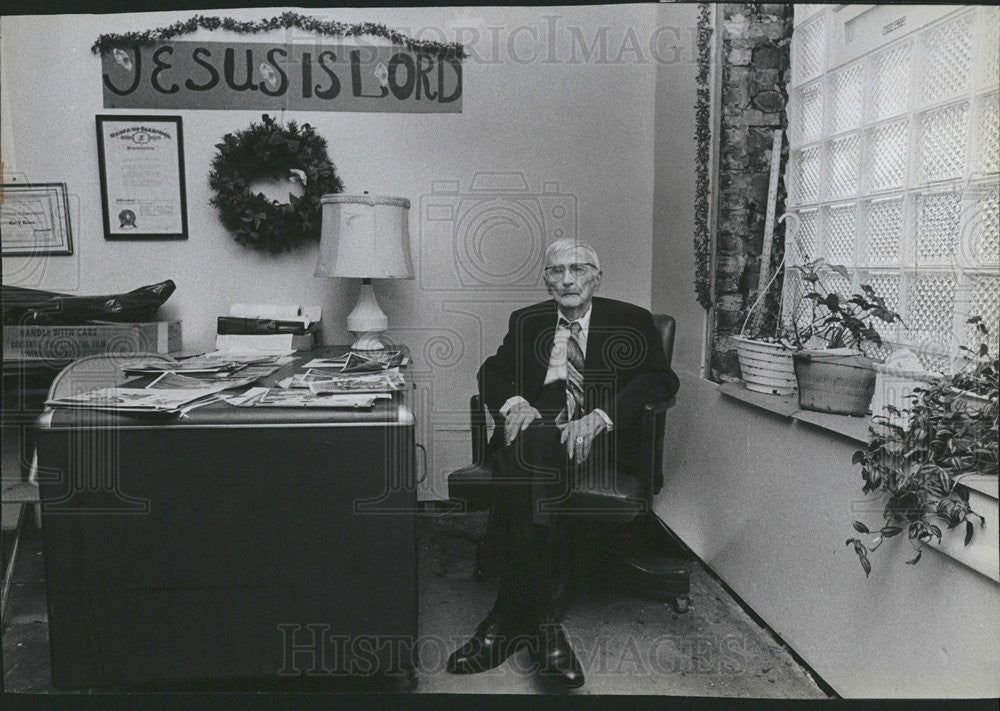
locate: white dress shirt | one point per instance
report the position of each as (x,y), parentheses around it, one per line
(557,359)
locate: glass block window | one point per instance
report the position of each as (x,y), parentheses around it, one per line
(886,164)
(840,230)
(810,122)
(890,90)
(937,220)
(947,50)
(807,174)
(985,227)
(893,170)
(846,88)
(884,229)
(809,41)
(943,134)
(988,124)
(843,159)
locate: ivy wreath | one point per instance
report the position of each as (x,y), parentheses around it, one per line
(269,150)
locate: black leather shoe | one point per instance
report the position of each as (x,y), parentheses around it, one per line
(555,658)
(496,638)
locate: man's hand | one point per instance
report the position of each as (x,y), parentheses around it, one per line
(579,435)
(518,417)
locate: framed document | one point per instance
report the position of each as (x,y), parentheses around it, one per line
(34,219)
(142,177)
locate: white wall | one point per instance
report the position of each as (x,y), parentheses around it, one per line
(673,188)
(583,126)
(768,504)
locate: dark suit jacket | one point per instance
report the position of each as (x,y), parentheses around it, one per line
(624,366)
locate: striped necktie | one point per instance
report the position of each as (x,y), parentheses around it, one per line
(574,369)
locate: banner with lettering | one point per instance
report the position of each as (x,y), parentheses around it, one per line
(319,76)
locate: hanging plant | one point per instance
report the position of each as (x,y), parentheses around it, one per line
(269,150)
(330,28)
(703,142)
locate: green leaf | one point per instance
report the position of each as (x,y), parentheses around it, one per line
(860,527)
(968,532)
(890,531)
(842,270)
(916,558)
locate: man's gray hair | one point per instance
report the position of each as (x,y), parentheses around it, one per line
(568,243)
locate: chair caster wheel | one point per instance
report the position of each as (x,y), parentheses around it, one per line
(681,604)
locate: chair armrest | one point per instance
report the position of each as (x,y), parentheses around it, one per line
(477,422)
(653,420)
(658,406)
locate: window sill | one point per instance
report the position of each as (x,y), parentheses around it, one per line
(854,428)
(980,555)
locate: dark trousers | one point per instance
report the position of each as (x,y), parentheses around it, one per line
(535,474)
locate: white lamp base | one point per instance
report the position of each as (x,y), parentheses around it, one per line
(367,320)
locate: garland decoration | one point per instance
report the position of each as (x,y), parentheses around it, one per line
(269,150)
(703,142)
(285,20)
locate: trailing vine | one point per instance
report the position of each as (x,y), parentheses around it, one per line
(271,150)
(285,20)
(703,141)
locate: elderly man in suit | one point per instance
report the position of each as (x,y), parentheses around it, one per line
(568,384)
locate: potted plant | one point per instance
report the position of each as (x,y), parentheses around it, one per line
(895,382)
(840,378)
(975,383)
(766,357)
(920,465)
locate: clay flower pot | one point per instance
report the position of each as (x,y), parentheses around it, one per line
(836,380)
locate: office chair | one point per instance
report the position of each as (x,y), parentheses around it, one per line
(640,555)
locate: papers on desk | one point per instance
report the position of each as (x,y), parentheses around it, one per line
(175,381)
(389,381)
(277,343)
(201,365)
(169,393)
(135,399)
(352,362)
(352,373)
(204,369)
(324,383)
(251,357)
(276,397)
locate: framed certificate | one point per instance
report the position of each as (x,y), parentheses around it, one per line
(34,219)
(142,177)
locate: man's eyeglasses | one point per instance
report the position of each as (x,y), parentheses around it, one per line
(556,271)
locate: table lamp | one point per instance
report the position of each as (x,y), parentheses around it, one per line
(367,237)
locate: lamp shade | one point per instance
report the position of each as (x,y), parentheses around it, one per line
(366,236)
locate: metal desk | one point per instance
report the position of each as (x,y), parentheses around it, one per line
(229,544)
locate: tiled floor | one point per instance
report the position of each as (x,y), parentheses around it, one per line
(627,645)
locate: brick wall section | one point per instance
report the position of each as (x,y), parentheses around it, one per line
(754,76)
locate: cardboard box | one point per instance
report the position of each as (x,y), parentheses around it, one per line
(69,342)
